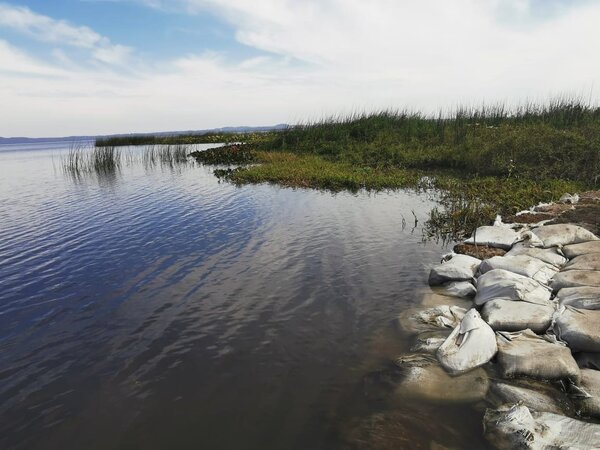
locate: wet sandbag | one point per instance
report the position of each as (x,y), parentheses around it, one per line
(508,315)
(516,427)
(574,278)
(582,297)
(591,261)
(527,266)
(459,268)
(525,353)
(588,360)
(589,405)
(429,342)
(423,378)
(471,344)
(500,237)
(563,234)
(505,285)
(575,250)
(417,320)
(548,255)
(537,396)
(579,328)
(458,289)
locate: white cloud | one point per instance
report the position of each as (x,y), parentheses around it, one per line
(322,57)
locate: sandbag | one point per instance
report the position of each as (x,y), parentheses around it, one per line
(548,255)
(588,360)
(579,328)
(505,285)
(458,289)
(589,405)
(574,250)
(516,427)
(501,237)
(416,320)
(508,315)
(527,266)
(563,234)
(459,268)
(537,396)
(524,353)
(591,261)
(471,344)
(429,342)
(574,278)
(582,297)
(423,378)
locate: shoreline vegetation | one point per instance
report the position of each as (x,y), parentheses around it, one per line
(483,161)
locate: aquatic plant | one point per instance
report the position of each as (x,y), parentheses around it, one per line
(83,158)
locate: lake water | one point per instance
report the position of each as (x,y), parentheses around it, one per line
(157,308)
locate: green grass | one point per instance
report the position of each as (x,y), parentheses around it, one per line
(83,159)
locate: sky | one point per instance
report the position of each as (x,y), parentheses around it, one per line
(88,67)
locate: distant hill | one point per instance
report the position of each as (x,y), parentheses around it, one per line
(27,140)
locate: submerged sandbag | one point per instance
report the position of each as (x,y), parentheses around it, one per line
(459,268)
(458,289)
(429,342)
(516,427)
(588,360)
(591,261)
(538,396)
(423,378)
(508,315)
(582,297)
(548,255)
(525,353)
(589,405)
(501,237)
(574,250)
(471,344)
(527,266)
(574,278)
(563,234)
(416,320)
(579,328)
(505,285)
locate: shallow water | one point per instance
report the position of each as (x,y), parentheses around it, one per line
(155,307)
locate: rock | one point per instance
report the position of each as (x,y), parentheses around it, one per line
(422,378)
(459,268)
(587,360)
(527,266)
(471,344)
(458,289)
(590,261)
(574,250)
(500,237)
(526,354)
(417,320)
(581,297)
(537,396)
(547,255)
(579,328)
(478,251)
(508,315)
(589,405)
(575,278)
(505,285)
(563,234)
(516,427)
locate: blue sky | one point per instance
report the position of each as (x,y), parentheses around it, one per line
(111,66)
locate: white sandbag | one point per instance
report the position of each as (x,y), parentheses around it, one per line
(458,289)
(563,234)
(508,315)
(527,266)
(429,342)
(422,378)
(569,199)
(582,297)
(588,360)
(417,320)
(516,427)
(548,255)
(579,328)
(574,278)
(574,250)
(459,268)
(537,396)
(589,405)
(505,285)
(524,353)
(591,261)
(471,344)
(500,237)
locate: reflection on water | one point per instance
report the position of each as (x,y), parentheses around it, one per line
(158,308)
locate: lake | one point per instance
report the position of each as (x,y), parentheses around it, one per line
(155,307)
